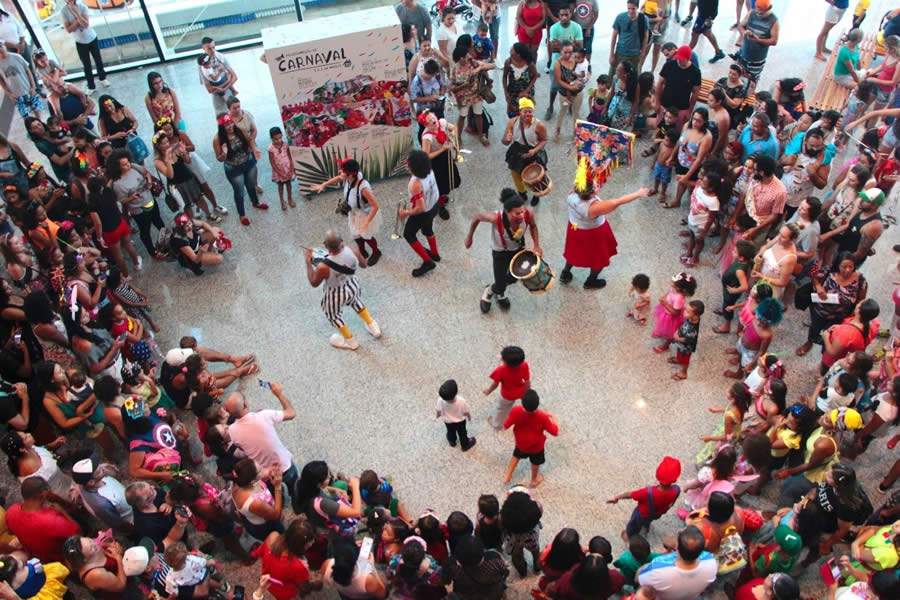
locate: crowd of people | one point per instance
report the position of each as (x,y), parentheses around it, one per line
(107,433)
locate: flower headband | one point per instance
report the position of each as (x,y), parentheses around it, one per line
(682,276)
(33,169)
(157,137)
(163,121)
(225,119)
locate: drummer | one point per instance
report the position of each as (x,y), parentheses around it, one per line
(508,229)
(526,138)
(590,242)
(364,216)
(439,141)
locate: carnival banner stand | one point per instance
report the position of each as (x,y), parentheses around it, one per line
(342,96)
(605,148)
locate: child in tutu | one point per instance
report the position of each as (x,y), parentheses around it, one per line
(756,337)
(639,299)
(669,313)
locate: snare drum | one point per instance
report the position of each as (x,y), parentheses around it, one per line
(536,275)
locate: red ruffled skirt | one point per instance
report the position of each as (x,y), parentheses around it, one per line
(590,248)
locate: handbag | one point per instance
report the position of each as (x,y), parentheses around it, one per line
(137,148)
(485,88)
(156,186)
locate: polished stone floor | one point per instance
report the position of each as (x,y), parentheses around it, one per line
(618,410)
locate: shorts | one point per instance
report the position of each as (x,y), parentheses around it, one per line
(695,230)
(28,104)
(662,173)
(680,170)
(111,238)
(748,356)
(833,15)
(702,24)
(637,523)
(682,358)
(658,33)
(477,108)
(536,458)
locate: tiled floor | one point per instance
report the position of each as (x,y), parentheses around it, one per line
(618,410)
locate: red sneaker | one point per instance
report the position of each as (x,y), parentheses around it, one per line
(245,221)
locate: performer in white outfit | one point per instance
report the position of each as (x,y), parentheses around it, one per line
(337,270)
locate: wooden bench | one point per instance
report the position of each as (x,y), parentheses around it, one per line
(708,84)
(830,95)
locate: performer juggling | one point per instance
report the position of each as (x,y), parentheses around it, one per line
(423,200)
(590,242)
(438,142)
(508,229)
(337,271)
(526,137)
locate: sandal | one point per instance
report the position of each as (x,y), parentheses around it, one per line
(803,350)
(485,141)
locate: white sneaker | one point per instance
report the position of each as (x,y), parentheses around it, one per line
(105,83)
(338,341)
(139,265)
(220,209)
(373,329)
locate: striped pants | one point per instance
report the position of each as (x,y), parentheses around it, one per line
(336,298)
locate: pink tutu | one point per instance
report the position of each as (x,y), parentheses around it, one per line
(664,324)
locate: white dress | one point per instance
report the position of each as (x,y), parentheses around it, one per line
(49,471)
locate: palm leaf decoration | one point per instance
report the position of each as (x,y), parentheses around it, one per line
(325,162)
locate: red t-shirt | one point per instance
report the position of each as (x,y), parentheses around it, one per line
(663,499)
(529,428)
(42,532)
(513,380)
(290,571)
(745,592)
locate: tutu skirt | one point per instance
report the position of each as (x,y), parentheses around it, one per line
(590,248)
(664,324)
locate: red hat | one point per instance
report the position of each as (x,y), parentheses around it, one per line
(668,471)
(683,53)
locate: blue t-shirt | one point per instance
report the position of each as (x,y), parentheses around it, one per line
(484,47)
(768,146)
(796,145)
(630,33)
(840,3)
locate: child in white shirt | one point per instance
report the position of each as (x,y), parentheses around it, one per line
(840,393)
(188,569)
(453,410)
(582,68)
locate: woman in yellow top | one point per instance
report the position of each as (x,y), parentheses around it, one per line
(819,453)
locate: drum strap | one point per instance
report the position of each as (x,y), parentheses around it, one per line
(503,226)
(339,268)
(524,137)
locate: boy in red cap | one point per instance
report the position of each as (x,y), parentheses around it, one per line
(653,501)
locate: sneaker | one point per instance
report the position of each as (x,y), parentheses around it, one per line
(687,20)
(595,284)
(261,206)
(338,341)
(503,302)
(373,260)
(245,220)
(424,268)
(220,209)
(373,329)
(549,114)
(444,213)
(719,56)
(486,298)
(565,276)
(466,445)
(535,200)
(434,256)
(105,83)
(139,264)
(213,218)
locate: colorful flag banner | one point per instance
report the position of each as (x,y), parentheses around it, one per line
(605,148)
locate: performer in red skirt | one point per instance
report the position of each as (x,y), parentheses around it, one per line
(590,242)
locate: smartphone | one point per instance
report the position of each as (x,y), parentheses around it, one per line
(183,511)
(18,337)
(265,384)
(365,549)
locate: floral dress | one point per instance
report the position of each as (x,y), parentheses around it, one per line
(619,106)
(429,576)
(463,79)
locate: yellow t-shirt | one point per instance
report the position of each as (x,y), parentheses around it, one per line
(651,8)
(861,7)
(882,546)
(790,438)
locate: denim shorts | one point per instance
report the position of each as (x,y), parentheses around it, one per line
(662,173)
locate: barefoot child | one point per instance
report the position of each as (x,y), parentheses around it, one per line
(735,282)
(453,410)
(514,378)
(529,427)
(653,501)
(599,96)
(669,122)
(669,313)
(282,169)
(662,169)
(639,298)
(686,338)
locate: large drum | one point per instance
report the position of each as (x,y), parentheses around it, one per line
(536,178)
(534,273)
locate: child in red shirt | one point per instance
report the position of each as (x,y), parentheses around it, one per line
(653,500)
(514,378)
(529,426)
